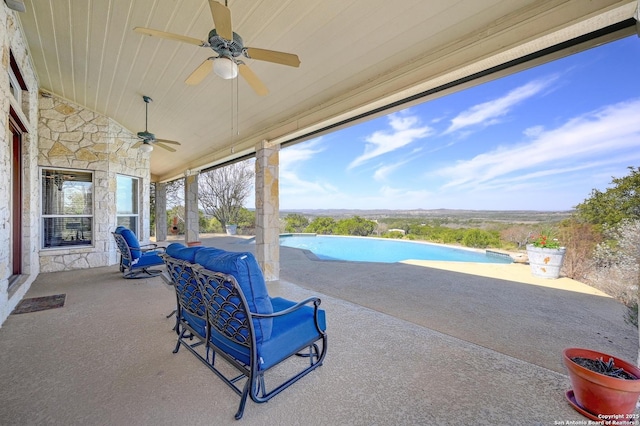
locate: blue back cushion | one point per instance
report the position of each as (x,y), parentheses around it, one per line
(173,248)
(245,269)
(182,252)
(119,229)
(132,242)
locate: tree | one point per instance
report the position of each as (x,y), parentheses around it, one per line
(175,193)
(295,222)
(223,191)
(480,238)
(618,266)
(322,225)
(619,202)
(355,226)
(580,240)
(516,234)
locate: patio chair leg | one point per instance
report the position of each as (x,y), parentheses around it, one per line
(176,327)
(180,337)
(243,400)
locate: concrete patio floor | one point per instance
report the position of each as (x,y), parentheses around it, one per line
(408,345)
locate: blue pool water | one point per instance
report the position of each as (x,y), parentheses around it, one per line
(366,249)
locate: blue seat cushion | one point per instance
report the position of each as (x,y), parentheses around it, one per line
(289,333)
(245,269)
(150,258)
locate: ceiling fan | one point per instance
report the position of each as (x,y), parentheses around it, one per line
(147,139)
(59,178)
(229,47)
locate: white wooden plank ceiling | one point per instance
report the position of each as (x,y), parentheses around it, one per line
(356,55)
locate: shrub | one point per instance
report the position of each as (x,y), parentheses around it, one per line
(322,225)
(617,262)
(580,239)
(479,238)
(295,222)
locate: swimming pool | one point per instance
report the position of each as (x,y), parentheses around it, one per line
(367,249)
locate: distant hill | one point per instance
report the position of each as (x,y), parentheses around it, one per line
(513,216)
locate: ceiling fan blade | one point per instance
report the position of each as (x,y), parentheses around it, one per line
(221,19)
(168,141)
(272,56)
(167,147)
(253,80)
(137,144)
(170,36)
(200,73)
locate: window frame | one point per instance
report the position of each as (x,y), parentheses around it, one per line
(138,200)
(43,216)
(14,87)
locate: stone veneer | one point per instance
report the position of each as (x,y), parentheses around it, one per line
(12,40)
(192,218)
(267,210)
(74,137)
(58,134)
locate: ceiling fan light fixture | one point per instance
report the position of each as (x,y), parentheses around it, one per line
(146,147)
(225,68)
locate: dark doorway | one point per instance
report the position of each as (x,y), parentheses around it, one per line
(17,129)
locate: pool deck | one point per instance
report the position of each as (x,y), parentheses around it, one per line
(409,344)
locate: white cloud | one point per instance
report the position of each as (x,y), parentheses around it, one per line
(533,132)
(487,113)
(291,156)
(584,140)
(291,160)
(383,172)
(404,130)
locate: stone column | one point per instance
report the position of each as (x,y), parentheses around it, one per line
(267,209)
(161,211)
(191,218)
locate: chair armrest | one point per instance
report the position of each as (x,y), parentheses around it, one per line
(316,302)
(150,247)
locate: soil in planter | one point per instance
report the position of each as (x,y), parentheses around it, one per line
(606,368)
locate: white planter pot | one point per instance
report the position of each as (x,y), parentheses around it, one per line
(231,229)
(545,262)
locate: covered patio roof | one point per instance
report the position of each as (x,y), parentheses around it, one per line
(359,58)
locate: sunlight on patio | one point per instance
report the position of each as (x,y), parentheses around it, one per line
(511,272)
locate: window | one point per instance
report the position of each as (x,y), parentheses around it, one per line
(16,82)
(127,202)
(14,87)
(67,208)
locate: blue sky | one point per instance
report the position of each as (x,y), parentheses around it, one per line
(541,139)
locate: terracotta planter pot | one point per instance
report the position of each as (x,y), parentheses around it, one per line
(599,394)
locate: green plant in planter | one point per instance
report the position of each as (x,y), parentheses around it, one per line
(545,241)
(545,256)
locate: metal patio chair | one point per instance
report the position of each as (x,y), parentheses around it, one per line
(136,261)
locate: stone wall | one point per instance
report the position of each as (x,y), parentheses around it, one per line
(267,210)
(12,41)
(74,137)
